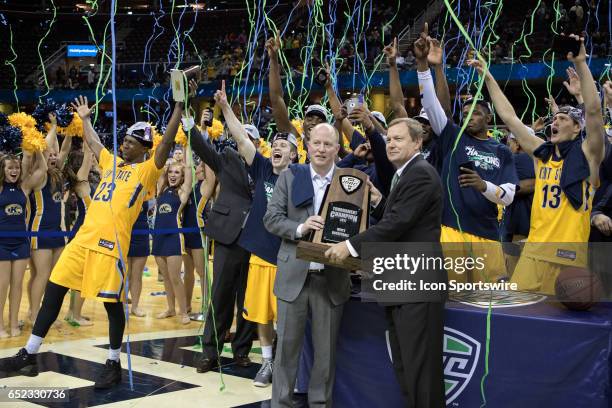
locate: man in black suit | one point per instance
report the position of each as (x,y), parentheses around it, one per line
(231,263)
(412,213)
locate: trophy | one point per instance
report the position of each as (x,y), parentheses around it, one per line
(345,213)
(180,80)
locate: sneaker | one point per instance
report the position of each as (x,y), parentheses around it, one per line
(111,375)
(21,363)
(264,375)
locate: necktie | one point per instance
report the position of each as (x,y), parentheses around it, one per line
(394,181)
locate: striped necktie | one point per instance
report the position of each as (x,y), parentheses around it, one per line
(394,181)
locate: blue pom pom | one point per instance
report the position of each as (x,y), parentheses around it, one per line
(64,116)
(10,139)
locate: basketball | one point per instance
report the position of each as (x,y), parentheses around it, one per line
(578,288)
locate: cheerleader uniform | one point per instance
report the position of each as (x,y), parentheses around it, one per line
(13,205)
(193,217)
(47,217)
(139,243)
(82,205)
(167,217)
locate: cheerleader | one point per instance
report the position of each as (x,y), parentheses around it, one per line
(47,214)
(169,247)
(194,218)
(140,249)
(15,251)
(76,174)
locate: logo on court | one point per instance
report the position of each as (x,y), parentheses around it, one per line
(461,353)
(349,184)
(13,209)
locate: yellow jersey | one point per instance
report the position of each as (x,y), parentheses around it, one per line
(115,205)
(558,231)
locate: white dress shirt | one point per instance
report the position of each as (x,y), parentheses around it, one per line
(319,184)
(398,173)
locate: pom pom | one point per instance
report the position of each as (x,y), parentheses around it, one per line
(302,153)
(3,120)
(33,140)
(64,116)
(297,124)
(42,111)
(181,137)
(74,128)
(21,120)
(10,139)
(265,149)
(215,130)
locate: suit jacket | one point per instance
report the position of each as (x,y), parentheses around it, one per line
(234,201)
(282,219)
(411,213)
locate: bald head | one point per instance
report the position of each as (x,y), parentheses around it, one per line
(323,147)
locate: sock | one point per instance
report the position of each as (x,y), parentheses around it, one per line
(33,344)
(266,352)
(114,354)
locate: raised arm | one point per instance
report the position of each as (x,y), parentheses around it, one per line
(506,111)
(279,109)
(395,86)
(573,85)
(51,138)
(63,154)
(38,174)
(83,172)
(81,107)
(336,106)
(186,187)
(435,57)
(208,185)
(593,145)
(245,148)
(164,147)
(429,100)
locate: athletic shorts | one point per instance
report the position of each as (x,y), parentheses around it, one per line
(535,275)
(490,252)
(259,299)
(94,274)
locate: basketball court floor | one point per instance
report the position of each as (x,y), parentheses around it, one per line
(163,355)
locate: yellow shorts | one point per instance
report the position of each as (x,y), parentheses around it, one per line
(534,275)
(259,299)
(94,274)
(476,247)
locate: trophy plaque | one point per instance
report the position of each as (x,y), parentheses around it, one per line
(179,80)
(345,213)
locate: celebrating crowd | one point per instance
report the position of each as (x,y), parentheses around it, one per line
(432,178)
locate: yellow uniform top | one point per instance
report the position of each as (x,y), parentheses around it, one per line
(108,222)
(555,221)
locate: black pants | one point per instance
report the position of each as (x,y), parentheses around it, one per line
(416,334)
(230,270)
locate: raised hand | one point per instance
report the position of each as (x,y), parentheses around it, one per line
(552,104)
(207,116)
(391,52)
(362,150)
(360,114)
(421,46)
(221,96)
(573,86)
(81,107)
(328,81)
(581,57)
(53,119)
(436,53)
(273,45)
(193,88)
(477,65)
(608,91)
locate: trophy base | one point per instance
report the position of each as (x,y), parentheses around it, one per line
(315,252)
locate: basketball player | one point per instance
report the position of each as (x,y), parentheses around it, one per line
(92,262)
(567,171)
